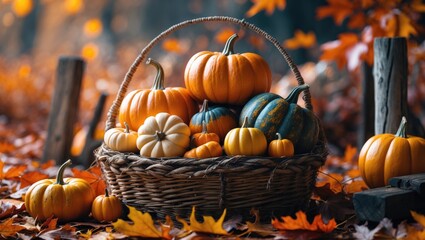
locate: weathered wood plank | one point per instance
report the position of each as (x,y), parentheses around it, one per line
(64,109)
(390,77)
(387,202)
(415,182)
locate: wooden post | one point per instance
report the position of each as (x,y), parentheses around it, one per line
(366,127)
(390,75)
(64,109)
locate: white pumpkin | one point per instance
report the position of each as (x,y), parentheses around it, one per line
(163,135)
(121,139)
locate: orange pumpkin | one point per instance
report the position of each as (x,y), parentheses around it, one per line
(386,155)
(227,77)
(281,147)
(143,103)
(106,208)
(203,137)
(207,150)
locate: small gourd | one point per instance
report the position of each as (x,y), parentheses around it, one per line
(66,199)
(203,137)
(206,150)
(163,135)
(106,208)
(121,139)
(281,147)
(245,141)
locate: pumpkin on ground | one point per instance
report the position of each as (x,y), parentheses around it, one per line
(227,77)
(79,139)
(281,147)
(218,119)
(66,199)
(142,103)
(106,208)
(206,150)
(163,135)
(203,137)
(272,114)
(121,139)
(245,141)
(386,155)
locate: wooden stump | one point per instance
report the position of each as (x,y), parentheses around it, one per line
(390,75)
(64,109)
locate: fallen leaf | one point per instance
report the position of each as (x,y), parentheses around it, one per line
(11,172)
(29,178)
(142,226)
(209,225)
(8,229)
(10,207)
(268,5)
(257,227)
(300,40)
(93,176)
(300,222)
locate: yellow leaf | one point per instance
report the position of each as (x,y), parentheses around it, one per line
(93,27)
(208,226)
(22,7)
(268,5)
(143,225)
(300,40)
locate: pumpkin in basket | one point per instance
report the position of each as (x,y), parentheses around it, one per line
(386,155)
(203,137)
(227,77)
(206,150)
(163,135)
(121,139)
(142,103)
(218,119)
(281,147)
(272,114)
(245,141)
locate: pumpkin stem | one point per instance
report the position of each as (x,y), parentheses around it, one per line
(293,95)
(228,48)
(127,128)
(279,137)
(245,122)
(158,83)
(401,132)
(204,109)
(59,176)
(106,192)
(204,127)
(159,135)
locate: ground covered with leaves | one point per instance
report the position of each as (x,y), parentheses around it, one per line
(330,215)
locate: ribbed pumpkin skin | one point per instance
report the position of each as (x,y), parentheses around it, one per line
(207,150)
(218,119)
(140,104)
(106,208)
(226,78)
(272,114)
(66,199)
(386,155)
(245,141)
(121,139)
(281,148)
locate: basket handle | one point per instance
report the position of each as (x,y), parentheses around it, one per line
(113,111)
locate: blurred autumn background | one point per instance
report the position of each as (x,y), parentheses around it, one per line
(331,41)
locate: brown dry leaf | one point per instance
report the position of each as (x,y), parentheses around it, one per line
(93,176)
(12,172)
(10,207)
(142,226)
(268,5)
(333,179)
(301,223)
(172,45)
(8,229)
(337,9)
(300,40)
(208,226)
(29,178)
(65,232)
(257,227)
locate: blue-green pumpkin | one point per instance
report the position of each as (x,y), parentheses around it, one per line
(218,119)
(273,114)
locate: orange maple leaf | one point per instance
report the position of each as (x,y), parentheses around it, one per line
(337,9)
(300,222)
(8,229)
(29,178)
(93,176)
(11,172)
(300,40)
(400,25)
(268,5)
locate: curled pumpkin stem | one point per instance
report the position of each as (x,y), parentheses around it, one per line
(59,176)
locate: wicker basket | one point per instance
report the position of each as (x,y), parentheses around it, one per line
(172,186)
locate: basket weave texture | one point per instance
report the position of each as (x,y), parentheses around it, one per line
(172,186)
